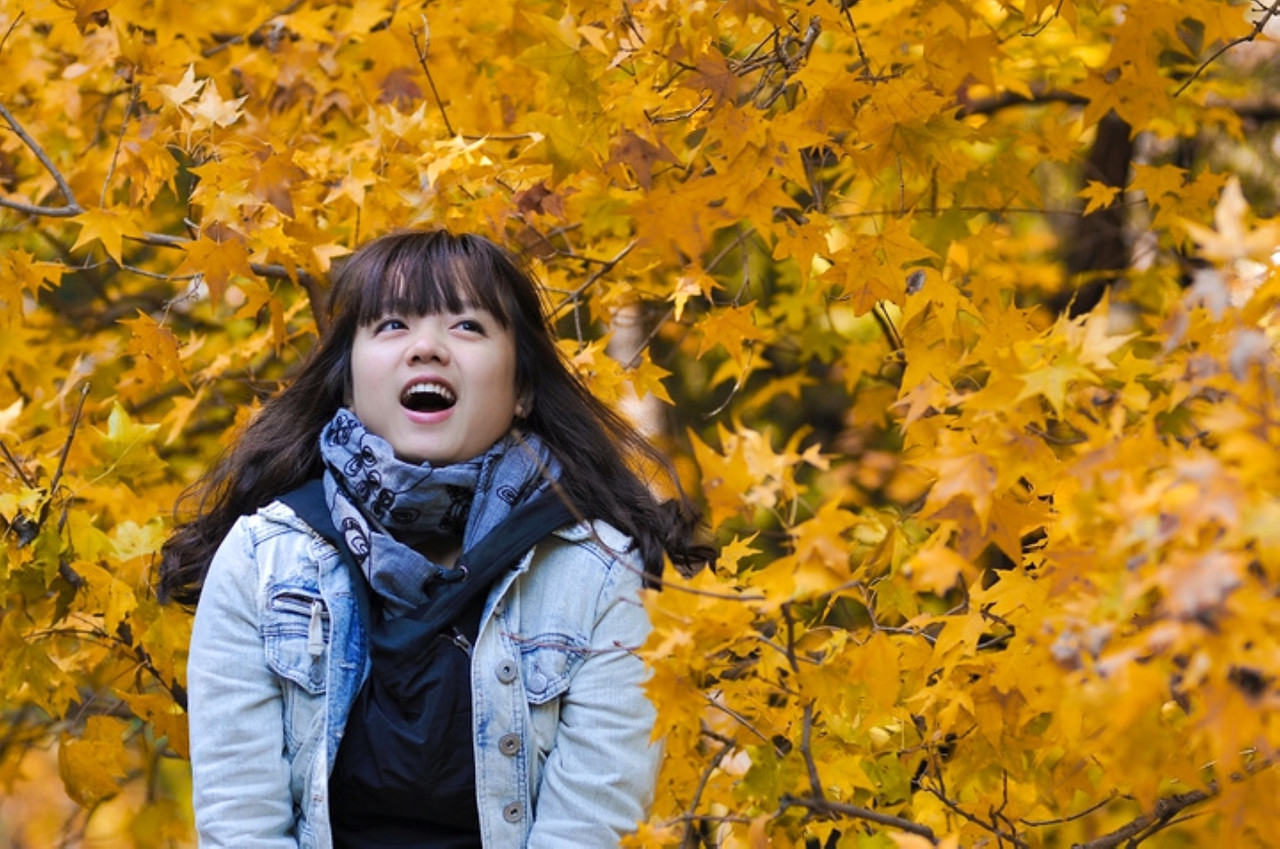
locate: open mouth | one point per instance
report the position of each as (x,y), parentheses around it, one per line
(427,398)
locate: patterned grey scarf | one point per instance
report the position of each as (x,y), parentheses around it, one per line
(385,507)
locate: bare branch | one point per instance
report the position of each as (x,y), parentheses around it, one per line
(1165,810)
(72,207)
(826,807)
(806,749)
(991,105)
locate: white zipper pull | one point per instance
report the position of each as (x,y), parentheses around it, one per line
(315,631)
(460,640)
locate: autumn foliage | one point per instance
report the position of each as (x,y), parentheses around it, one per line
(959,317)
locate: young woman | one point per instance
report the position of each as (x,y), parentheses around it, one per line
(435,405)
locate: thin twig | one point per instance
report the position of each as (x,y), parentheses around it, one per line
(1070,817)
(1033,33)
(421,40)
(691,810)
(605,267)
(1258,27)
(991,827)
(115,156)
(66,446)
(740,719)
(13,461)
(12,26)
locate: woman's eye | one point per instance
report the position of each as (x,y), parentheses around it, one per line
(470,325)
(388,324)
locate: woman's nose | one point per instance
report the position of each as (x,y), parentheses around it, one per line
(428,345)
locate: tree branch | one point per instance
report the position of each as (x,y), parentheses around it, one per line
(826,807)
(72,207)
(691,817)
(1165,810)
(991,105)
(992,827)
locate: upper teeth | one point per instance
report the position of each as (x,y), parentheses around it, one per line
(433,388)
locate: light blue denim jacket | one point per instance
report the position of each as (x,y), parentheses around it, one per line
(562,727)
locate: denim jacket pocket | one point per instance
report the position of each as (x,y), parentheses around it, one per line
(295,633)
(547,663)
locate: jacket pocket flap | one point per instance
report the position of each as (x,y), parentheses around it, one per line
(295,635)
(547,664)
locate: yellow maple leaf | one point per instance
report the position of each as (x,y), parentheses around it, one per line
(732,328)
(311,24)
(1158,181)
(647,379)
(186,89)
(125,449)
(730,557)
(966,476)
(1099,196)
(937,569)
(216,262)
(109,227)
(9,416)
(211,110)
(93,765)
(1232,238)
(602,374)
(89,12)
(724,481)
(155,350)
(274,177)
(691,285)
(160,711)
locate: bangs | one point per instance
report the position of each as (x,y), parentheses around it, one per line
(417,276)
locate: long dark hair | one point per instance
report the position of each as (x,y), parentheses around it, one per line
(420,273)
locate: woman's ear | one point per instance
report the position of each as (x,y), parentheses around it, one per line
(524,405)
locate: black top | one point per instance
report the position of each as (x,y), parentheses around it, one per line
(405,774)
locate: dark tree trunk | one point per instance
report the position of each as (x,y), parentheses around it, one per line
(1095,252)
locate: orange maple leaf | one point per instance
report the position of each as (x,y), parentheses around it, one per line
(217,262)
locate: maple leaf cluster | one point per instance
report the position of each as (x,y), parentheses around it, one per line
(959,320)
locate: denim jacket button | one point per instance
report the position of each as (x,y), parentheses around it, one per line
(512,811)
(507,671)
(509,744)
(537,683)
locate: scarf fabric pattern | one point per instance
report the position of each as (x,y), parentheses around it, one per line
(384,507)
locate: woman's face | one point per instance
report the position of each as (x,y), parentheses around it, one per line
(440,388)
